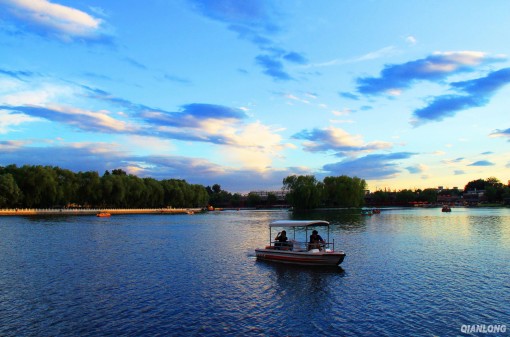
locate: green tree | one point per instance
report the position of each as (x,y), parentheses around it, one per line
(154,193)
(494,189)
(10,194)
(68,185)
(405,196)
(381,197)
(236,200)
(344,191)
(218,197)
(303,192)
(427,195)
(253,199)
(90,188)
(39,186)
(478,185)
(113,191)
(272,199)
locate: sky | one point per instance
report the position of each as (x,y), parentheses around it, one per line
(404,94)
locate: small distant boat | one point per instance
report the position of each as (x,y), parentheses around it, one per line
(376,211)
(446,208)
(103,214)
(367,212)
(301,253)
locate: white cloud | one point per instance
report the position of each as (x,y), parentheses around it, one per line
(336,139)
(33,94)
(256,146)
(149,145)
(8,121)
(411,40)
(63,21)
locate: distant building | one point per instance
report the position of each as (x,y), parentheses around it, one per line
(474,197)
(280,195)
(448,199)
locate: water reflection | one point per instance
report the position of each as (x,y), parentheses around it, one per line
(305,295)
(407,272)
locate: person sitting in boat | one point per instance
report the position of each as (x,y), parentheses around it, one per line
(316,241)
(281,241)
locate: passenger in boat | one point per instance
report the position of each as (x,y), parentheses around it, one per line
(281,239)
(316,241)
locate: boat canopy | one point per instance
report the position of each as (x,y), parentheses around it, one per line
(298,223)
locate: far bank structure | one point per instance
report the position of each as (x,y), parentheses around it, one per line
(94,211)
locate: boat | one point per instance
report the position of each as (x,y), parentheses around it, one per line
(298,253)
(366,212)
(103,214)
(446,208)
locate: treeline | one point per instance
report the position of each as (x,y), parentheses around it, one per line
(495,191)
(219,198)
(306,192)
(491,191)
(48,186)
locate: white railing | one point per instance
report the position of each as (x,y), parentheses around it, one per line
(298,246)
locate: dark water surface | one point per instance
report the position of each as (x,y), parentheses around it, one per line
(412,272)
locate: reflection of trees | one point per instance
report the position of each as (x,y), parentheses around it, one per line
(340,220)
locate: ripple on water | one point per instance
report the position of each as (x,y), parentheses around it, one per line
(407,272)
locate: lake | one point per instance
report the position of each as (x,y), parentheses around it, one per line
(416,272)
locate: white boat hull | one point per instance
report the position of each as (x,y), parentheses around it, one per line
(301,258)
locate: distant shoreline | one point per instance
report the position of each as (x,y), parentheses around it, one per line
(94,211)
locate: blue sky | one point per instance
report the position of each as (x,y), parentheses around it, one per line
(404,94)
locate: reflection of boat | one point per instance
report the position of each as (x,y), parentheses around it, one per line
(446,208)
(297,252)
(103,214)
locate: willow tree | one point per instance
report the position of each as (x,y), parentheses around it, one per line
(344,191)
(10,194)
(303,192)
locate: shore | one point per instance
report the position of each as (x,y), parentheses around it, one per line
(94,211)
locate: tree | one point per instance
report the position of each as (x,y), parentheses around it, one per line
(46,186)
(218,197)
(118,172)
(114,191)
(90,188)
(39,186)
(216,188)
(405,196)
(271,199)
(236,200)
(427,195)
(344,191)
(154,193)
(10,194)
(68,184)
(253,199)
(494,189)
(303,192)
(478,184)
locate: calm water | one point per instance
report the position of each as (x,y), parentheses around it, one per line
(407,272)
